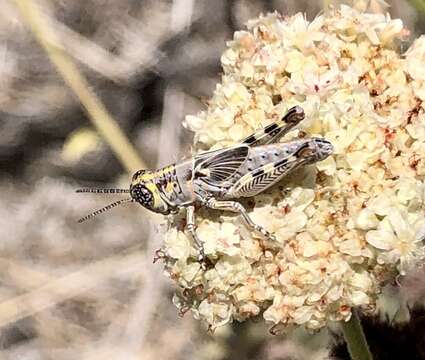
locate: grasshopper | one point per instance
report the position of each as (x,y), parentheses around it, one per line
(214,179)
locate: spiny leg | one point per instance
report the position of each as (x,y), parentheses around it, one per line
(191,227)
(238,208)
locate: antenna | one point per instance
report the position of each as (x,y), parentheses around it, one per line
(106,208)
(103,191)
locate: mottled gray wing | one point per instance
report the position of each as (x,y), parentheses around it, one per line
(262,178)
(217,166)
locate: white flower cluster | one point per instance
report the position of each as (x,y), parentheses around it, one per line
(343,226)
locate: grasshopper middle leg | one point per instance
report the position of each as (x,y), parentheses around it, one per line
(234,206)
(191,227)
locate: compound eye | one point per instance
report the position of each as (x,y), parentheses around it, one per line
(142,195)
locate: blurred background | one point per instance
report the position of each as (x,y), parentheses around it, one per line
(90,291)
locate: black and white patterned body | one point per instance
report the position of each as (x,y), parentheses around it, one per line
(215,179)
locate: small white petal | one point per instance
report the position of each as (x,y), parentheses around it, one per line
(380,239)
(366,220)
(303,314)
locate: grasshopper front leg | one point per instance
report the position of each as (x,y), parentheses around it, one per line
(191,227)
(236,207)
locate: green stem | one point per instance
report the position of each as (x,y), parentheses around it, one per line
(355,338)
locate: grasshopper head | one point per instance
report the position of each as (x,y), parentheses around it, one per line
(144,191)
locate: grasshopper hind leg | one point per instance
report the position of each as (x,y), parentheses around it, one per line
(236,207)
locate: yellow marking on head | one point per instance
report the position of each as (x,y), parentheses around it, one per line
(146,177)
(157,201)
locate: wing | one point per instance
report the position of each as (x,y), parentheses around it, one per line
(276,130)
(260,179)
(217,166)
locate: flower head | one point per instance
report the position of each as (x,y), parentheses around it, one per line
(341,224)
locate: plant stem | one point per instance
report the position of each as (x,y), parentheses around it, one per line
(103,121)
(355,338)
